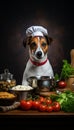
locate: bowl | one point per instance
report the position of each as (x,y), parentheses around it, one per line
(22,92)
(7,99)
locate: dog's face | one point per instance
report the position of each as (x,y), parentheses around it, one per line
(38,47)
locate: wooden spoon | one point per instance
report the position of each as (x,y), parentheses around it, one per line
(72,57)
(70,80)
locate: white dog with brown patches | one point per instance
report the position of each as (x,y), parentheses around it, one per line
(38,63)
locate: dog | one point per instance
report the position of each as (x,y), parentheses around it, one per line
(38,64)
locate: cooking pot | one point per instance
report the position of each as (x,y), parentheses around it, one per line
(33,81)
(41,83)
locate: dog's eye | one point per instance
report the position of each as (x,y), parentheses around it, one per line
(44,44)
(33,45)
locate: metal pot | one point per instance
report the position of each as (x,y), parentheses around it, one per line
(33,80)
(41,83)
(44,84)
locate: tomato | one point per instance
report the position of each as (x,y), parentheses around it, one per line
(48,101)
(56,106)
(42,107)
(62,84)
(49,108)
(35,104)
(42,99)
(26,105)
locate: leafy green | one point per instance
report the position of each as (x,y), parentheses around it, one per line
(67,70)
(66,100)
(56,77)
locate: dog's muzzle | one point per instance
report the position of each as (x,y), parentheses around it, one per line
(39,54)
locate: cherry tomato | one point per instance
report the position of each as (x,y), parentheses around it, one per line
(62,84)
(42,99)
(42,107)
(26,105)
(48,101)
(49,108)
(35,104)
(56,106)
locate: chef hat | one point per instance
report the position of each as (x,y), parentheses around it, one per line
(36,31)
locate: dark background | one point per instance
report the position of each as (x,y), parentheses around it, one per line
(16,17)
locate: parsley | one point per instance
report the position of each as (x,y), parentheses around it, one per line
(66,100)
(67,70)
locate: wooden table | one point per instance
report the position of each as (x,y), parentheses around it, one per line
(35,119)
(33,113)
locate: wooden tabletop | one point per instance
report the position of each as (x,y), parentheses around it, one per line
(35,119)
(33,113)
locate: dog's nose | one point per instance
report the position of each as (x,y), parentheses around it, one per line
(39,53)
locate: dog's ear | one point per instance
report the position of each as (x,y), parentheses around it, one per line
(49,39)
(26,41)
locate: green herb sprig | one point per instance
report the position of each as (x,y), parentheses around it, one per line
(67,70)
(66,100)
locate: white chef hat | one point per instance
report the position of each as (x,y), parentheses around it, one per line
(36,31)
